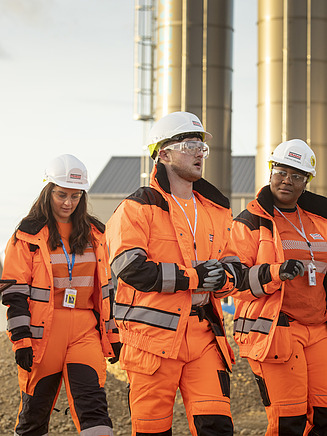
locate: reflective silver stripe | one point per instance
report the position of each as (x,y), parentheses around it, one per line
(37,331)
(99,429)
(125,259)
(20,289)
(39,294)
(105,292)
(168,277)
(254,282)
(255,325)
(45,434)
(110,284)
(149,316)
(18,321)
(229,259)
(318,246)
(111,324)
(321,266)
(60,258)
(63,282)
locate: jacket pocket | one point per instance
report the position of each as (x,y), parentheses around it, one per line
(280,349)
(134,359)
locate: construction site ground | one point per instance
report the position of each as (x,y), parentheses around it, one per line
(247,409)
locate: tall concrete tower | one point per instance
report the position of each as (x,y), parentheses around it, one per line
(292,85)
(194,72)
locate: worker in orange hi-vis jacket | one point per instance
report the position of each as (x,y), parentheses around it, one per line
(280,320)
(59,318)
(171,262)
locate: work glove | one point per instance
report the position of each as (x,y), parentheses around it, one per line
(290,269)
(212,276)
(116,346)
(24,358)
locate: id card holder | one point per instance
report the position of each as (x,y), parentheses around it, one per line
(70,298)
(312,274)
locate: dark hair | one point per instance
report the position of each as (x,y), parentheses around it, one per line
(41,215)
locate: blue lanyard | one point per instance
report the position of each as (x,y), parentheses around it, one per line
(70,264)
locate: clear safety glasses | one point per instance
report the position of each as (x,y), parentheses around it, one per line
(190,147)
(62,196)
(294,178)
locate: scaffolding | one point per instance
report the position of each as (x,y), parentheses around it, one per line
(144,52)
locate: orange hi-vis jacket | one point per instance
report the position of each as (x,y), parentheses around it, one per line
(152,269)
(260,328)
(31,301)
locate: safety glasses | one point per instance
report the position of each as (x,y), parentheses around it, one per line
(294,178)
(190,147)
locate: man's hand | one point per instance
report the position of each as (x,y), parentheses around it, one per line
(24,358)
(290,269)
(212,276)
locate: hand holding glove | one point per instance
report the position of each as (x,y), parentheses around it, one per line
(212,276)
(24,358)
(290,269)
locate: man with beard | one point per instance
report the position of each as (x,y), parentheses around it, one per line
(171,262)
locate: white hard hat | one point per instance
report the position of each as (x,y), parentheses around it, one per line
(171,125)
(296,154)
(68,172)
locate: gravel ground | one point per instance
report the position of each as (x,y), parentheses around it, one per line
(247,409)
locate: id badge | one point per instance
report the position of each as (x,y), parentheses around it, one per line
(70,298)
(312,274)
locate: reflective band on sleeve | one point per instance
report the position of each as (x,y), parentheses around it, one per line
(156,318)
(168,277)
(18,321)
(38,294)
(20,289)
(110,284)
(105,292)
(254,282)
(37,331)
(125,259)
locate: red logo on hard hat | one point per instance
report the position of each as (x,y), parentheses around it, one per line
(294,155)
(196,123)
(76,176)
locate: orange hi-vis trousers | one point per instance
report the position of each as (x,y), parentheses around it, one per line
(198,372)
(295,393)
(73,353)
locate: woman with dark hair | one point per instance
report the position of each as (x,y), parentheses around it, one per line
(59,316)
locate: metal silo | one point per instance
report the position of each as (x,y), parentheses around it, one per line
(194,72)
(292,67)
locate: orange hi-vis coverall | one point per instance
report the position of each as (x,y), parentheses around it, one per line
(152,255)
(280,327)
(69,343)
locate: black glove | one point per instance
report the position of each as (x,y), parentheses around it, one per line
(290,269)
(212,276)
(116,346)
(24,358)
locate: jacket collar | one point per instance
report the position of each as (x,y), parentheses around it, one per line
(33,227)
(202,186)
(308,201)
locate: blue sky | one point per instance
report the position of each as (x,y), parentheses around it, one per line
(66,86)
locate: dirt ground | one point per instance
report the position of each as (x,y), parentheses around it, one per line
(248,412)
